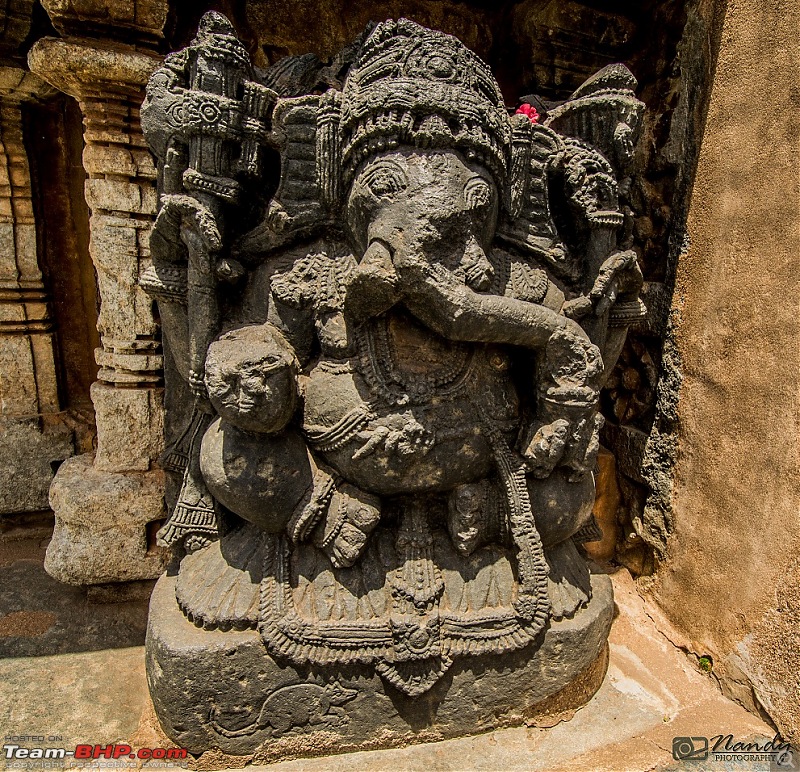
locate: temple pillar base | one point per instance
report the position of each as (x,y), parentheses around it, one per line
(30,448)
(105,524)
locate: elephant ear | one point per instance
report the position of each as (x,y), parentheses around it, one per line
(305,131)
(528,222)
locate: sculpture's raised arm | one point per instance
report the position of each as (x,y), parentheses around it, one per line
(206,119)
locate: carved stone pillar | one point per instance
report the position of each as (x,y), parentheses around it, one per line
(106,540)
(32,438)
(139,21)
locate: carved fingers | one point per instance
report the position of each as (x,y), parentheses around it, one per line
(572,363)
(197,385)
(197,221)
(351,517)
(372,441)
(544,446)
(583,447)
(619,275)
(573,444)
(197,227)
(186,219)
(404,436)
(565,433)
(577,308)
(166,236)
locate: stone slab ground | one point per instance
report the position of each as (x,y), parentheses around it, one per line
(88,686)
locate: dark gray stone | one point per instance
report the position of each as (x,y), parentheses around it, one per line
(396,339)
(29,453)
(223,690)
(40,616)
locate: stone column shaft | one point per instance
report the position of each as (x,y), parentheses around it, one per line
(121,195)
(120,191)
(28,382)
(110,543)
(29,442)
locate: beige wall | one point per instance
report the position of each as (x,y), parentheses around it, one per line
(731,580)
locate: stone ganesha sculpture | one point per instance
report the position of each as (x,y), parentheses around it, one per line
(394,304)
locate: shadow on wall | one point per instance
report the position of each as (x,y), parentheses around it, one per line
(54,140)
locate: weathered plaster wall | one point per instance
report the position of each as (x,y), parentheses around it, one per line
(730,577)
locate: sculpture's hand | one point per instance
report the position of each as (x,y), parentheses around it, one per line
(544,446)
(577,308)
(199,224)
(571,363)
(568,387)
(199,229)
(619,277)
(403,436)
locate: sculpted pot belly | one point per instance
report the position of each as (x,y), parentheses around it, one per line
(406,414)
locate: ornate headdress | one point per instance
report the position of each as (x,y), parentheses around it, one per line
(605,113)
(408,86)
(413,86)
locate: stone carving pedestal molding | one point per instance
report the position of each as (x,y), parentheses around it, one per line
(285,710)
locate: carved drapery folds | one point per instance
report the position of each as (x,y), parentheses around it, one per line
(395,347)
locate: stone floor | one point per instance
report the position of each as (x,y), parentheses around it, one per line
(41,616)
(71,668)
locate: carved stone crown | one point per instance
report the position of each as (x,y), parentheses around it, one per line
(415,86)
(217,38)
(604,112)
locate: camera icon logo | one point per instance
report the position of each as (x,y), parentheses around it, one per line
(785,760)
(689,748)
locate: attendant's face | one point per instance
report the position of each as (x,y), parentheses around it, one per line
(250,384)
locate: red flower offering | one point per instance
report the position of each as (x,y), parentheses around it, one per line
(530,111)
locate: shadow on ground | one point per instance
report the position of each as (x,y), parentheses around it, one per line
(72,668)
(40,616)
